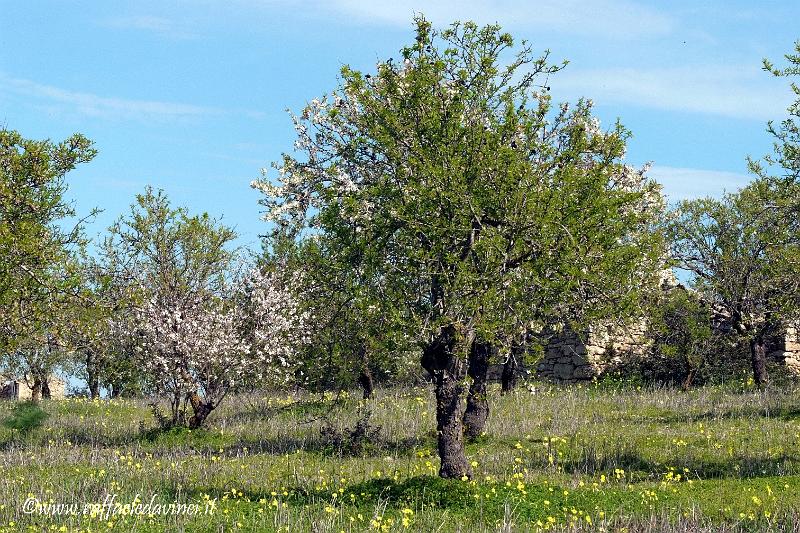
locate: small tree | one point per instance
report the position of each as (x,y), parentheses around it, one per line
(681,327)
(742,253)
(103,297)
(351,338)
(744,250)
(461,198)
(35,248)
(198,331)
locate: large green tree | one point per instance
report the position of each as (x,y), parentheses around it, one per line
(449,183)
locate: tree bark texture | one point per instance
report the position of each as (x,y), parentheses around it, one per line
(201,410)
(758,358)
(36,389)
(508,378)
(365,379)
(477,411)
(441,360)
(92,377)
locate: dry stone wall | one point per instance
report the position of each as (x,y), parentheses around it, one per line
(570,356)
(789,349)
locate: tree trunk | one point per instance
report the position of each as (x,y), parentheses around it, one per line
(365,375)
(687,382)
(508,379)
(92,378)
(446,369)
(758,357)
(477,410)
(45,389)
(201,410)
(36,390)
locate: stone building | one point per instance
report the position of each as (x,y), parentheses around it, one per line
(18,389)
(570,357)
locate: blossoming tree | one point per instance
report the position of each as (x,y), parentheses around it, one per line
(201,332)
(449,182)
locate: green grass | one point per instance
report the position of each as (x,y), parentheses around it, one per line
(588,458)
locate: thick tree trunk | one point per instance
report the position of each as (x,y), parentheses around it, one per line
(92,377)
(446,368)
(201,410)
(36,390)
(758,358)
(45,389)
(365,375)
(477,410)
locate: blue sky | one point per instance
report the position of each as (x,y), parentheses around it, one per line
(190,96)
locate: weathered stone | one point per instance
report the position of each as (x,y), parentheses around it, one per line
(564,371)
(578,360)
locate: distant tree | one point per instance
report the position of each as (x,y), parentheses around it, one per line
(744,250)
(351,338)
(35,249)
(448,180)
(743,253)
(198,330)
(681,327)
(104,297)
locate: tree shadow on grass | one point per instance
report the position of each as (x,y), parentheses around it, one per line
(163,442)
(788,414)
(639,468)
(260,411)
(417,491)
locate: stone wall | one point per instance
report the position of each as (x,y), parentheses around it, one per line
(19,390)
(788,351)
(570,356)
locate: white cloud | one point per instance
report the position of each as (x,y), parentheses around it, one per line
(622,19)
(731,91)
(686,183)
(104,107)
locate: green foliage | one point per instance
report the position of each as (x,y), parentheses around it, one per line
(681,328)
(164,249)
(743,252)
(352,331)
(25,417)
(36,273)
(449,189)
(786,153)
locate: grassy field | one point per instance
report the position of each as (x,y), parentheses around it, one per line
(599,458)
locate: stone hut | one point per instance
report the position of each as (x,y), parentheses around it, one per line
(788,349)
(571,356)
(18,389)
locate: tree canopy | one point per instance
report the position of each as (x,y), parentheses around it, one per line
(448,180)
